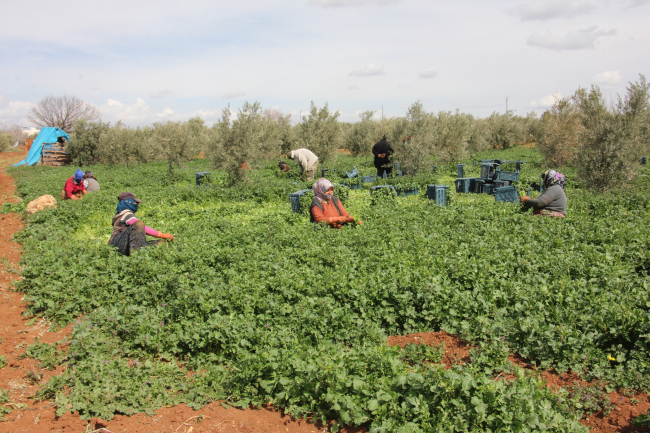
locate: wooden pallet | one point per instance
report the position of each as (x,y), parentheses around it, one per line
(55,156)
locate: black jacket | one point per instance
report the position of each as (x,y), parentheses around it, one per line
(383,146)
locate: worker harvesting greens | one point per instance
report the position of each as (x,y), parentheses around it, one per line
(129,233)
(552,202)
(74,188)
(326,207)
(306,160)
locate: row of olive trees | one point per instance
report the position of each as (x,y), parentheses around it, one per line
(602,140)
(10,135)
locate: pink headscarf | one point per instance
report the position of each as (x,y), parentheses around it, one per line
(320,190)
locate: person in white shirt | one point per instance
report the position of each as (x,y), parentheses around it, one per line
(306,160)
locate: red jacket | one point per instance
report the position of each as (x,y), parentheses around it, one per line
(72,188)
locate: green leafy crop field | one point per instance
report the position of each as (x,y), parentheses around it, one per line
(262,306)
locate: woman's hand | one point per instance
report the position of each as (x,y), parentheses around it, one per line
(166,236)
(524,199)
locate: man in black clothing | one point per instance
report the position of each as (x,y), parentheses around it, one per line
(383,157)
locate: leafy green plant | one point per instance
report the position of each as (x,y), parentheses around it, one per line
(383,196)
(589,399)
(3,361)
(418,353)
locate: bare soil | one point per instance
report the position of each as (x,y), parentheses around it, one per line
(28,416)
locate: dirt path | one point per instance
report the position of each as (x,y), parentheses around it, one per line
(27,416)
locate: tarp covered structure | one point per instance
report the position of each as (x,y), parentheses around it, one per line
(47,135)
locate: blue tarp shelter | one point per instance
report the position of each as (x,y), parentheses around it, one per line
(46,136)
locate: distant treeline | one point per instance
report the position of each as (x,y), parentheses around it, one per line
(603,141)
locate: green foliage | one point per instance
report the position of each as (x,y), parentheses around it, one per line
(588,399)
(383,197)
(272,308)
(642,420)
(363,135)
(245,142)
(320,132)
(5,141)
(47,354)
(614,138)
(418,353)
(3,361)
(560,131)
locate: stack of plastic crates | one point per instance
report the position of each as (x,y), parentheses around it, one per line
(294,197)
(438,193)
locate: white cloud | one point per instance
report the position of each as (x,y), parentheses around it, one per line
(431,73)
(161,93)
(543,10)
(580,40)
(637,3)
(368,71)
(232,95)
(608,78)
(115,110)
(351,3)
(353,88)
(16,113)
(166,113)
(547,101)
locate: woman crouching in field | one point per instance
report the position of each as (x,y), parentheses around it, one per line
(552,202)
(129,233)
(326,207)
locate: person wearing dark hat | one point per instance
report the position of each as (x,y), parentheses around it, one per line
(129,233)
(383,153)
(74,188)
(90,182)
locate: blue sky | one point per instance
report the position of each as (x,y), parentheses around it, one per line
(150,61)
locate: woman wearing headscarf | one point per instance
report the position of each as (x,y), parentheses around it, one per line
(326,207)
(90,182)
(74,188)
(129,233)
(552,202)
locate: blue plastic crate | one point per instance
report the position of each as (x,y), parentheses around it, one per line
(488,188)
(501,183)
(507,194)
(353,173)
(643,160)
(200,177)
(370,178)
(512,176)
(438,193)
(294,198)
(487,171)
(378,187)
(476,185)
(461,170)
(462,185)
(405,192)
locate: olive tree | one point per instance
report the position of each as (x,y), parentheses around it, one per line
(560,132)
(62,112)
(320,132)
(362,135)
(613,137)
(243,143)
(177,142)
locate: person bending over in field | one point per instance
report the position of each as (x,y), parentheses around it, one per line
(284,167)
(129,233)
(90,182)
(326,207)
(552,202)
(306,161)
(74,188)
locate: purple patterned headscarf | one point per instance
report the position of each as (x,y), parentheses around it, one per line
(552,177)
(320,190)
